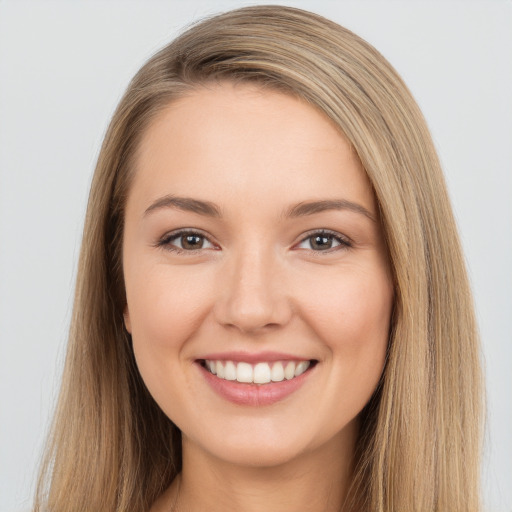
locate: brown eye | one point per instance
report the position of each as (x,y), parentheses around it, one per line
(185,241)
(191,242)
(323,241)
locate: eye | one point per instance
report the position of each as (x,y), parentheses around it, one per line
(324,241)
(185,241)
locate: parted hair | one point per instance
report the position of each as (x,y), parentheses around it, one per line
(112,449)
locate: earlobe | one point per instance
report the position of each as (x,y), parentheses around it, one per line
(127,322)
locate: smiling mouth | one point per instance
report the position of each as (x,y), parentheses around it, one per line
(259,373)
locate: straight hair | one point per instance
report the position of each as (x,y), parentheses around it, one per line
(111,448)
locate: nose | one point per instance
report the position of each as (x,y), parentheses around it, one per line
(253,296)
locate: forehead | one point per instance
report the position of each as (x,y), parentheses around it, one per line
(230,140)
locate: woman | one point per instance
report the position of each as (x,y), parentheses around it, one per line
(272,310)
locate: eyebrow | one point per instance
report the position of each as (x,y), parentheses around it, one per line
(186,204)
(302,209)
(311,207)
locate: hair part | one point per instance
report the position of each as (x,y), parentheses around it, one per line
(421,433)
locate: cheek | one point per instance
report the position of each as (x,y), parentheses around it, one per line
(164,306)
(353,304)
(353,322)
(351,315)
(166,310)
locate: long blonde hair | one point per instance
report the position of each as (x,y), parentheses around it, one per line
(111,448)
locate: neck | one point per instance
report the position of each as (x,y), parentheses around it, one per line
(316,481)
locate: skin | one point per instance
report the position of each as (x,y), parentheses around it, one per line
(256,283)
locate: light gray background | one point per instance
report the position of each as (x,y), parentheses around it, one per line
(64,66)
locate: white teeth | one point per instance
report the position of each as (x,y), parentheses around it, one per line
(289,370)
(261,373)
(244,372)
(301,368)
(220,370)
(277,374)
(230,371)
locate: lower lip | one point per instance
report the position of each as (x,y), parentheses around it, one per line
(254,394)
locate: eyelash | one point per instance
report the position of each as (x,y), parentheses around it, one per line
(344,242)
(165,241)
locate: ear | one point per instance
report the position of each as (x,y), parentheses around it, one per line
(127,321)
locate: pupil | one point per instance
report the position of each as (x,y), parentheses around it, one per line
(321,242)
(191,242)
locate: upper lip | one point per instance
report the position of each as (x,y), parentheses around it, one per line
(248,357)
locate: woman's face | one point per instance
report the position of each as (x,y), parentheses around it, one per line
(252,249)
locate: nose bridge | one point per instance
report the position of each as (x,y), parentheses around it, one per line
(253,294)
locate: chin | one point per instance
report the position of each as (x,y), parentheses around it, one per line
(265,444)
(256,454)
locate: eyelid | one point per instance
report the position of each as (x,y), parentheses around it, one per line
(344,241)
(164,241)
